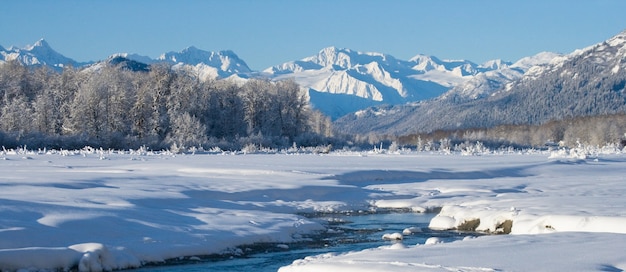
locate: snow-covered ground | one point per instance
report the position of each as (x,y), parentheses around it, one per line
(98,210)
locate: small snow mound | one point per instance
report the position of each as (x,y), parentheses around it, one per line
(397,246)
(411,230)
(393,236)
(433,240)
(416,209)
(90,262)
(441,222)
(97,257)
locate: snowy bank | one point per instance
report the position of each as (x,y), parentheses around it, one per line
(554,252)
(575,203)
(546,196)
(93,212)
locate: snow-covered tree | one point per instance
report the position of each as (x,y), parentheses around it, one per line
(115,107)
(186,131)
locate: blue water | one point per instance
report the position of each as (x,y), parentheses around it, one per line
(348,233)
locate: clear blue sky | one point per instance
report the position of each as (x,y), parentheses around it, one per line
(270,32)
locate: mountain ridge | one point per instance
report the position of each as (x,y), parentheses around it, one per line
(589,81)
(373,78)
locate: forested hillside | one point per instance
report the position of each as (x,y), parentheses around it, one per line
(598,130)
(159,107)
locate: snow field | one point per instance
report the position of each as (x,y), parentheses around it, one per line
(97,210)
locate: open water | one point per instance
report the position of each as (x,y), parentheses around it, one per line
(348,232)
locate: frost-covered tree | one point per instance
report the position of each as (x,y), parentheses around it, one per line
(158,84)
(186,131)
(291,107)
(15,116)
(227,111)
(46,116)
(15,81)
(320,124)
(88,111)
(256,106)
(115,107)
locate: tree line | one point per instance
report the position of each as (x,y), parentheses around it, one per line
(599,130)
(114,107)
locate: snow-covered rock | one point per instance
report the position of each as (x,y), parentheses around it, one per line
(432,241)
(396,236)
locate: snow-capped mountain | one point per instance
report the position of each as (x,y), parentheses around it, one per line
(205,64)
(586,82)
(220,64)
(486,83)
(342,80)
(38,54)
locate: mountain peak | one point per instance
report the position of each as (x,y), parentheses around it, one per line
(538,59)
(333,56)
(422,62)
(226,62)
(495,64)
(344,58)
(191,49)
(40,44)
(420,57)
(39,54)
(333,50)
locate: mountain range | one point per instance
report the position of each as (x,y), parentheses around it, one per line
(376,92)
(587,82)
(341,80)
(338,80)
